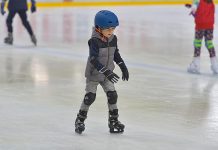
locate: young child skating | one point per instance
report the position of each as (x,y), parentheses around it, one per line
(18,7)
(103,51)
(203,12)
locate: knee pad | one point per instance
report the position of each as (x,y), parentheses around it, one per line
(209,44)
(197,43)
(89,98)
(112,97)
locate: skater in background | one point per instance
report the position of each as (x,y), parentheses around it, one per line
(103,51)
(203,12)
(18,7)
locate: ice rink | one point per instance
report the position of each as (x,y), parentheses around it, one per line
(162,106)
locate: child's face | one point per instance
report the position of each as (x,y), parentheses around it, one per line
(108,32)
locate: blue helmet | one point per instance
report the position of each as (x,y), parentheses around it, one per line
(106,19)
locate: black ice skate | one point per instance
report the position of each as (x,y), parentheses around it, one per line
(9,39)
(114,124)
(79,126)
(34,40)
(79,123)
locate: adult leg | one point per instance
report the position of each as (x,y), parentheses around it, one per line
(26,24)
(9,21)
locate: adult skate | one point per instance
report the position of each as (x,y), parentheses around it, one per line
(9,39)
(34,40)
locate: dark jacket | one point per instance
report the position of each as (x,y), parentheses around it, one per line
(17,5)
(104,53)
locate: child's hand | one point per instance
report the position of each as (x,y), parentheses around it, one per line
(2,12)
(125,72)
(188,5)
(192,13)
(193,10)
(110,75)
(2,8)
(33,8)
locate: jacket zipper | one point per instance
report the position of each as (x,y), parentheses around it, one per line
(107,55)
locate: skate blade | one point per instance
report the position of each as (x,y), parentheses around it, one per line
(193,72)
(35,44)
(116,131)
(78,131)
(8,43)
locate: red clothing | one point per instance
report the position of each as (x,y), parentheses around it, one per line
(204,17)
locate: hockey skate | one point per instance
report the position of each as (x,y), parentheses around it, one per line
(114,124)
(34,40)
(79,123)
(214,65)
(194,67)
(9,39)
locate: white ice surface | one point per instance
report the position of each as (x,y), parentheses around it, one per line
(162,106)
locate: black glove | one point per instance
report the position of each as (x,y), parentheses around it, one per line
(125,72)
(2,8)
(110,75)
(33,7)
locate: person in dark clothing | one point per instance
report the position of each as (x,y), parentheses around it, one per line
(103,52)
(18,7)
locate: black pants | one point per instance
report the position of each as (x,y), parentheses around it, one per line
(23,16)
